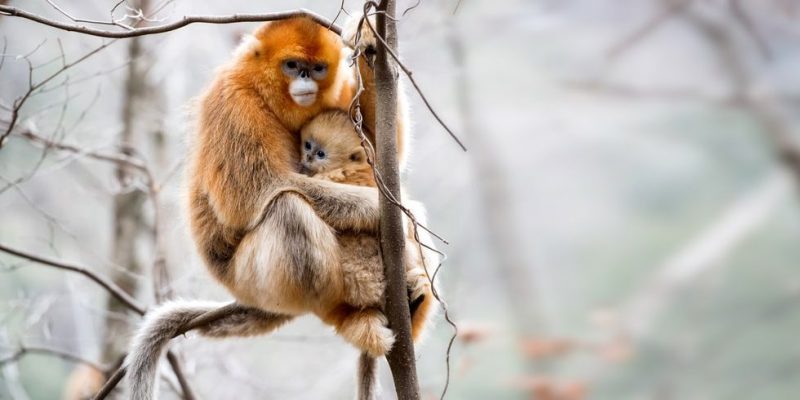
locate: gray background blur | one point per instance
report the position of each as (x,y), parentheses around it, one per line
(625,224)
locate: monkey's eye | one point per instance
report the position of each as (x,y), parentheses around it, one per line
(291,68)
(307,145)
(320,154)
(319,71)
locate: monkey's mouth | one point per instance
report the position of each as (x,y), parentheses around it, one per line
(305,98)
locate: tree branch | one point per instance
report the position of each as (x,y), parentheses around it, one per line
(392,233)
(186,20)
(23,350)
(109,286)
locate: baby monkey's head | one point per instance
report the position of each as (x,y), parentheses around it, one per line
(328,142)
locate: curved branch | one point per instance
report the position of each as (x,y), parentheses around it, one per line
(186,20)
(109,286)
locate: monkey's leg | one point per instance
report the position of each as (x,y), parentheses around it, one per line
(362,269)
(364,328)
(421,262)
(290,262)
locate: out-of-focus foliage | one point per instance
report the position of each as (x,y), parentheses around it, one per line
(634,177)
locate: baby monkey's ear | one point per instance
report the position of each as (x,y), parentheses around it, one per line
(358,156)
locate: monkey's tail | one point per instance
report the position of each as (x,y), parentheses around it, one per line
(168,320)
(368,385)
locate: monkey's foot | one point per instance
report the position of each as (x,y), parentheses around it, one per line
(367,330)
(417,284)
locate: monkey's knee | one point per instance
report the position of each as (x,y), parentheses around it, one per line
(309,246)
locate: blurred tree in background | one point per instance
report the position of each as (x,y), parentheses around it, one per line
(624,225)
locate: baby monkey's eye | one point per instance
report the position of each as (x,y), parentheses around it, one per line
(291,64)
(307,145)
(320,154)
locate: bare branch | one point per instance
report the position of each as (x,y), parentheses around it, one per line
(33,87)
(186,20)
(750,27)
(648,27)
(109,286)
(25,349)
(114,158)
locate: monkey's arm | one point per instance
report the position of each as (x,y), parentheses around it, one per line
(343,207)
(247,158)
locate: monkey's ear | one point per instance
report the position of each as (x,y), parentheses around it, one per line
(358,156)
(248,46)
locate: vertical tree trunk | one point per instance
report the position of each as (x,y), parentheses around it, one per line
(129,225)
(401,358)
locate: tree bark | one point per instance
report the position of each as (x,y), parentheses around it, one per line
(392,234)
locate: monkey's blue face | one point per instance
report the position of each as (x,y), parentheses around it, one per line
(304,78)
(313,157)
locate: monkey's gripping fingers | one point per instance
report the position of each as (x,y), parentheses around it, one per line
(366,42)
(417,284)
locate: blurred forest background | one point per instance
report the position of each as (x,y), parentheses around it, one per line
(625,224)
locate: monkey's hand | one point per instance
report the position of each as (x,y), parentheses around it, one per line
(362,40)
(343,207)
(417,283)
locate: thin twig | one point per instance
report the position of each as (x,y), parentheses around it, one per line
(411,79)
(648,27)
(26,349)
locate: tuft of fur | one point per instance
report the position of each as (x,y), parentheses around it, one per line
(165,322)
(364,328)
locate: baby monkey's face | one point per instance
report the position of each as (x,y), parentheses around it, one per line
(314,158)
(329,142)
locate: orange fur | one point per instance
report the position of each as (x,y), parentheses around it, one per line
(345,162)
(266,232)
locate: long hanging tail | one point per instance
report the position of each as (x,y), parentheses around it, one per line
(368,386)
(168,320)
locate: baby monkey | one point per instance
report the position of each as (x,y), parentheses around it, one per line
(330,149)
